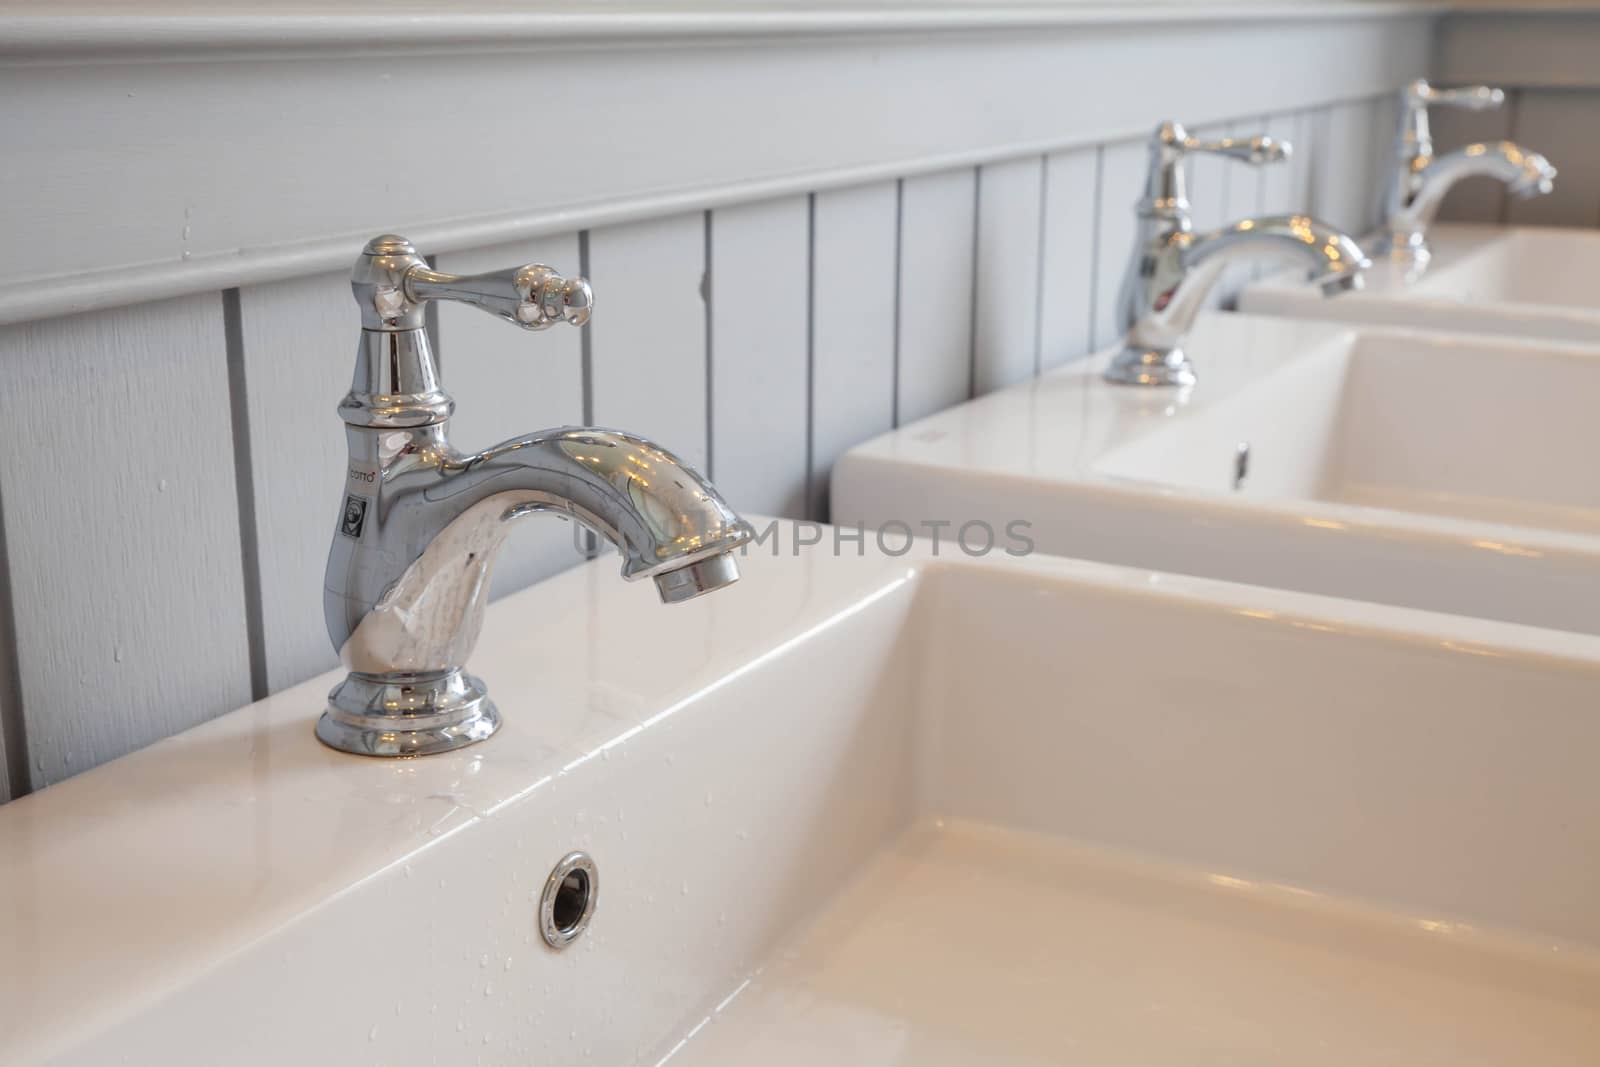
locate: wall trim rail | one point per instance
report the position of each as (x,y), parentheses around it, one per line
(164,156)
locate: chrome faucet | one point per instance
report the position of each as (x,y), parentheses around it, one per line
(1420,179)
(420,524)
(1173,269)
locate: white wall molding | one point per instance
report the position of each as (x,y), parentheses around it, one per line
(70,29)
(116,191)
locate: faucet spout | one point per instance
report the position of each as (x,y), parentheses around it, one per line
(410,596)
(1168,286)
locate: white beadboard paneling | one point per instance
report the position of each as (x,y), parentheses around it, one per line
(759,264)
(1286,186)
(852,325)
(1478,199)
(508,382)
(937,216)
(1005,334)
(1563,125)
(648,334)
(1343,191)
(1210,178)
(1066,280)
(1122,176)
(299,342)
(1381,158)
(105,222)
(122,529)
(1246,183)
(1243,187)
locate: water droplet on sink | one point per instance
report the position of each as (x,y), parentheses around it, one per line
(461,1024)
(484,962)
(488,989)
(508,963)
(372,1035)
(686,889)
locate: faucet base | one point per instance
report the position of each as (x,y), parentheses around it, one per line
(1150,366)
(1408,253)
(397,715)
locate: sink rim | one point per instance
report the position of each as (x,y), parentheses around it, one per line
(1387,293)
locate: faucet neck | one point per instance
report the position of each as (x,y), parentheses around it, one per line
(1163,210)
(396,383)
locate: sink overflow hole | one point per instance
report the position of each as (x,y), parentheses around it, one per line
(571,900)
(567,904)
(1241,464)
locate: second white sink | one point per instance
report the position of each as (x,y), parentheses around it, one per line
(1520,281)
(1398,466)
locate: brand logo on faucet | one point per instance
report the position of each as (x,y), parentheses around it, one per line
(355,517)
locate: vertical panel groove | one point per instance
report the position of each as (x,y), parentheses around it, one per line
(811,354)
(1094,243)
(13,727)
(899,254)
(587,344)
(1044,228)
(591,543)
(977,240)
(245,489)
(705,299)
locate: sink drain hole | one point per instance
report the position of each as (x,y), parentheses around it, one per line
(567,903)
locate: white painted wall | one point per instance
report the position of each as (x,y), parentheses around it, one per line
(1547,58)
(779,275)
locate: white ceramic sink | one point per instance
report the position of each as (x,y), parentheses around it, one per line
(867,811)
(1406,467)
(1522,281)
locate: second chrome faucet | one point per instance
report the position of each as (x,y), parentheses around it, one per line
(1173,269)
(1420,179)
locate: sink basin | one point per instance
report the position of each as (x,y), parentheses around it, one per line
(1406,467)
(1523,281)
(859,809)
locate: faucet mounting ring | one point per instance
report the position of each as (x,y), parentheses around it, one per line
(407,714)
(1151,366)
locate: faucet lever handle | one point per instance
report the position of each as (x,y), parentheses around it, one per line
(1253,150)
(1470,97)
(533,296)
